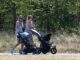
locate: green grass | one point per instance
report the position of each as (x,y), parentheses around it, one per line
(6,41)
(65,42)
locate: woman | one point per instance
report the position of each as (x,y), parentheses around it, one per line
(29,26)
(18,29)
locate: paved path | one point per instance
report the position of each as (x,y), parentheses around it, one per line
(48,54)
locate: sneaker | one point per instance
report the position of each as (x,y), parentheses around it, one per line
(11,50)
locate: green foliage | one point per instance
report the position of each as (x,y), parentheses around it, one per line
(49,15)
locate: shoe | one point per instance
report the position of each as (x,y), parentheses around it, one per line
(11,50)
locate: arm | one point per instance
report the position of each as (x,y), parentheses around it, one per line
(16,27)
(32,24)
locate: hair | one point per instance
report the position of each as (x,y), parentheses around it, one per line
(29,16)
(20,16)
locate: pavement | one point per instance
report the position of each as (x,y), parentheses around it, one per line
(48,54)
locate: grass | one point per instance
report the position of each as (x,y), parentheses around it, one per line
(7,40)
(65,42)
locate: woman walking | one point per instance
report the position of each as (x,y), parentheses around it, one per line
(18,29)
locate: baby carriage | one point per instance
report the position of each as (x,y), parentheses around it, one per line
(45,45)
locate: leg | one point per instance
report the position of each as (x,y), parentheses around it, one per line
(22,46)
(17,43)
(12,48)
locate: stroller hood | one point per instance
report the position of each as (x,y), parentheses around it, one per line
(46,37)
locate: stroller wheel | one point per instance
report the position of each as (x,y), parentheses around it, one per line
(44,52)
(38,51)
(21,52)
(24,51)
(53,50)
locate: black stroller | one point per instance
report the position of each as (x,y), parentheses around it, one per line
(45,46)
